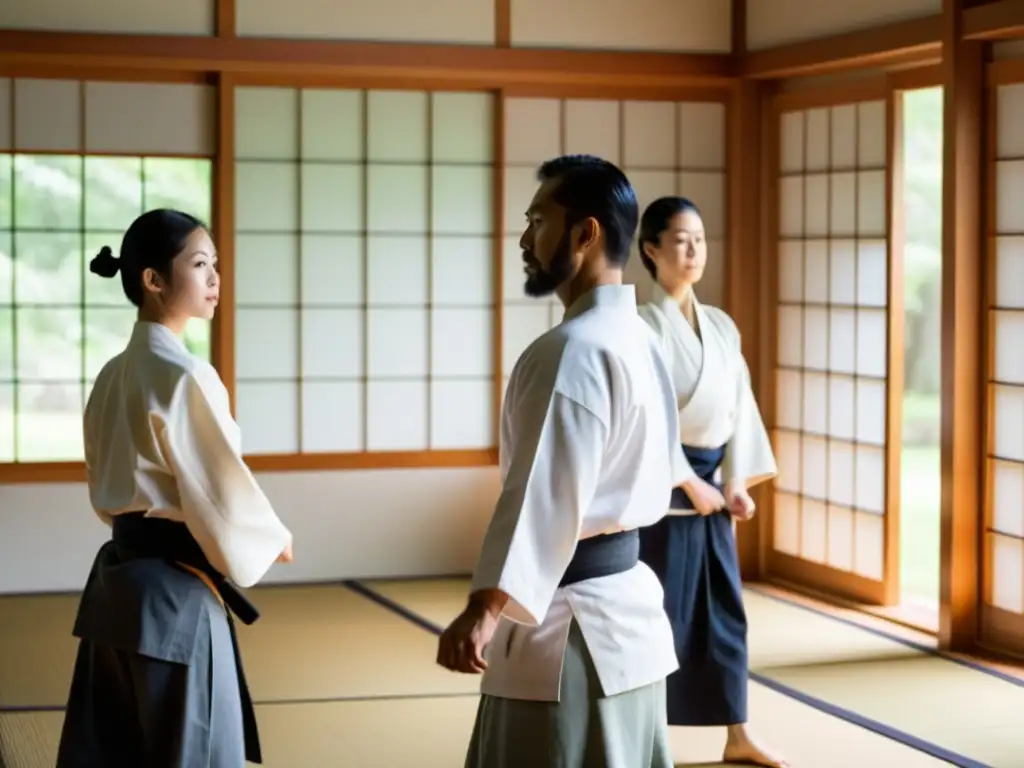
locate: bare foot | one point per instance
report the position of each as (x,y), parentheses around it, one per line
(741,748)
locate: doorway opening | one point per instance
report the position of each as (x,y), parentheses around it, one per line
(920,480)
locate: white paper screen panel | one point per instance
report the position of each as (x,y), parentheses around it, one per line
(142,17)
(59,324)
(665,148)
(364,271)
(39,115)
(410,21)
(831,385)
(1005,452)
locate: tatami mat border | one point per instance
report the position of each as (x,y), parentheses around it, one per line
(822,706)
(877,632)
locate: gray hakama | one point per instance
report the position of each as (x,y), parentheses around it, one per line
(158,681)
(583,729)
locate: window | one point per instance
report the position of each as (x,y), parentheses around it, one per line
(78,162)
(59,323)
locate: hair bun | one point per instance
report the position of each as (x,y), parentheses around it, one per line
(105,263)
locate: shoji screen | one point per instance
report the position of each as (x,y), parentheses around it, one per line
(365,297)
(831,389)
(1003,612)
(664,147)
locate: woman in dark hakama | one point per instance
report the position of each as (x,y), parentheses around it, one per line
(692,549)
(158,681)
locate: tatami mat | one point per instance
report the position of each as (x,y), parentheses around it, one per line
(807,737)
(311,642)
(780,634)
(434,733)
(436,600)
(421,732)
(37,650)
(29,739)
(330,642)
(348,682)
(924,696)
(936,699)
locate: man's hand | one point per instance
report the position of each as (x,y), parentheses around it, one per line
(705,497)
(286,555)
(741,506)
(462,645)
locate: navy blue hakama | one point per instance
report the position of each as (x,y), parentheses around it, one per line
(695,559)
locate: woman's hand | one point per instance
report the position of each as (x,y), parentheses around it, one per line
(741,506)
(705,497)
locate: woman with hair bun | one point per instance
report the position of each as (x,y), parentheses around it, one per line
(692,549)
(158,679)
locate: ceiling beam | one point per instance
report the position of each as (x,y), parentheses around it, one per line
(472,66)
(994,21)
(917,41)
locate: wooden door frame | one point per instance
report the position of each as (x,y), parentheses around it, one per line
(777,566)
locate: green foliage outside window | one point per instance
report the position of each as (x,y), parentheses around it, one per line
(59,323)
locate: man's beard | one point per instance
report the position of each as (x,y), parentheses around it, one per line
(544,281)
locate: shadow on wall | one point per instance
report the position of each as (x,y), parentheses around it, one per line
(636,274)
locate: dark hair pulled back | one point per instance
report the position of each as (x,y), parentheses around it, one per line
(152,241)
(656,219)
(589,186)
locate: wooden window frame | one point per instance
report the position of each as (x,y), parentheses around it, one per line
(998,629)
(74,471)
(778,566)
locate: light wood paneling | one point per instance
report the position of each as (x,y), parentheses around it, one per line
(639,25)
(142,17)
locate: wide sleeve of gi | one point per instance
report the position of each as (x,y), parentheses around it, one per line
(553,472)
(748,453)
(224,508)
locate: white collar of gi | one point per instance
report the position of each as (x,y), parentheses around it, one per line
(665,301)
(145,332)
(617,296)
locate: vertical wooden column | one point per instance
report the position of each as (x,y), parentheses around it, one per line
(962,344)
(742,293)
(502,39)
(503,23)
(222,343)
(225,20)
(742,287)
(498,244)
(895,315)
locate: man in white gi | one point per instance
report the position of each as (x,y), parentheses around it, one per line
(566,624)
